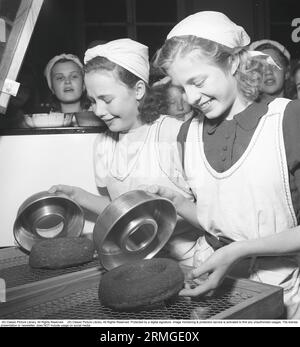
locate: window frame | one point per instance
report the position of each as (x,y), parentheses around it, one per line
(16,47)
(132,24)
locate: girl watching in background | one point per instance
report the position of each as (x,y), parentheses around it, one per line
(64,75)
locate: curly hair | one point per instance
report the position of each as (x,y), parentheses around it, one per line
(249,74)
(148,108)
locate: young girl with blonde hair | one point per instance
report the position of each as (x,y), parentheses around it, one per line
(241,157)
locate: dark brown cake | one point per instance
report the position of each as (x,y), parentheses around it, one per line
(141,284)
(61,252)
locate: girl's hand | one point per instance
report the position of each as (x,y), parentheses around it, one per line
(177,198)
(75,193)
(216,267)
(184,207)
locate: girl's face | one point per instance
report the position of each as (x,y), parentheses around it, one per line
(113,101)
(67,82)
(274,78)
(207,87)
(297,82)
(177,105)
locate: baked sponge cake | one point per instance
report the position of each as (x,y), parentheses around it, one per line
(141,284)
(61,252)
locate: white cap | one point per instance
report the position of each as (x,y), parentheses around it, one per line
(131,55)
(256,44)
(214,26)
(54,60)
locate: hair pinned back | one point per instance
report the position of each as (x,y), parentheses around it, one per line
(130,54)
(102,63)
(149,108)
(249,73)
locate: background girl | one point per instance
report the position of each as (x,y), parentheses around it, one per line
(64,74)
(296,79)
(171,101)
(276,82)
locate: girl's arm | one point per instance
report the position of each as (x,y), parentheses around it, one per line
(92,202)
(184,207)
(218,265)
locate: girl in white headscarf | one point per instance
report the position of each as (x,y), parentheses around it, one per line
(276,81)
(127,155)
(64,75)
(241,157)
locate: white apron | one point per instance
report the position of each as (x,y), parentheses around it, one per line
(250,200)
(123,163)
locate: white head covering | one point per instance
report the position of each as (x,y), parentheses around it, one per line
(130,54)
(256,44)
(54,60)
(217,27)
(214,26)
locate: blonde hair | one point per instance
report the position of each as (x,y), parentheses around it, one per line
(249,74)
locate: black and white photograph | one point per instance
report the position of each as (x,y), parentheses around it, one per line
(149,165)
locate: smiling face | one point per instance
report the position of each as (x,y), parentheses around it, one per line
(67,82)
(207,87)
(274,78)
(113,101)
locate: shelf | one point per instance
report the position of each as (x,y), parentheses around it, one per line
(47,131)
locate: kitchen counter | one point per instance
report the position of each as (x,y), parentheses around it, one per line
(45,131)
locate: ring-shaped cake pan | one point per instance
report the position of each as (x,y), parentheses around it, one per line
(134,226)
(44,215)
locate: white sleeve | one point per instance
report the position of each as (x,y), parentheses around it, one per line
(101,159)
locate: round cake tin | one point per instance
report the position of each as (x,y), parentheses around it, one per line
(132,227)
(45,215)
